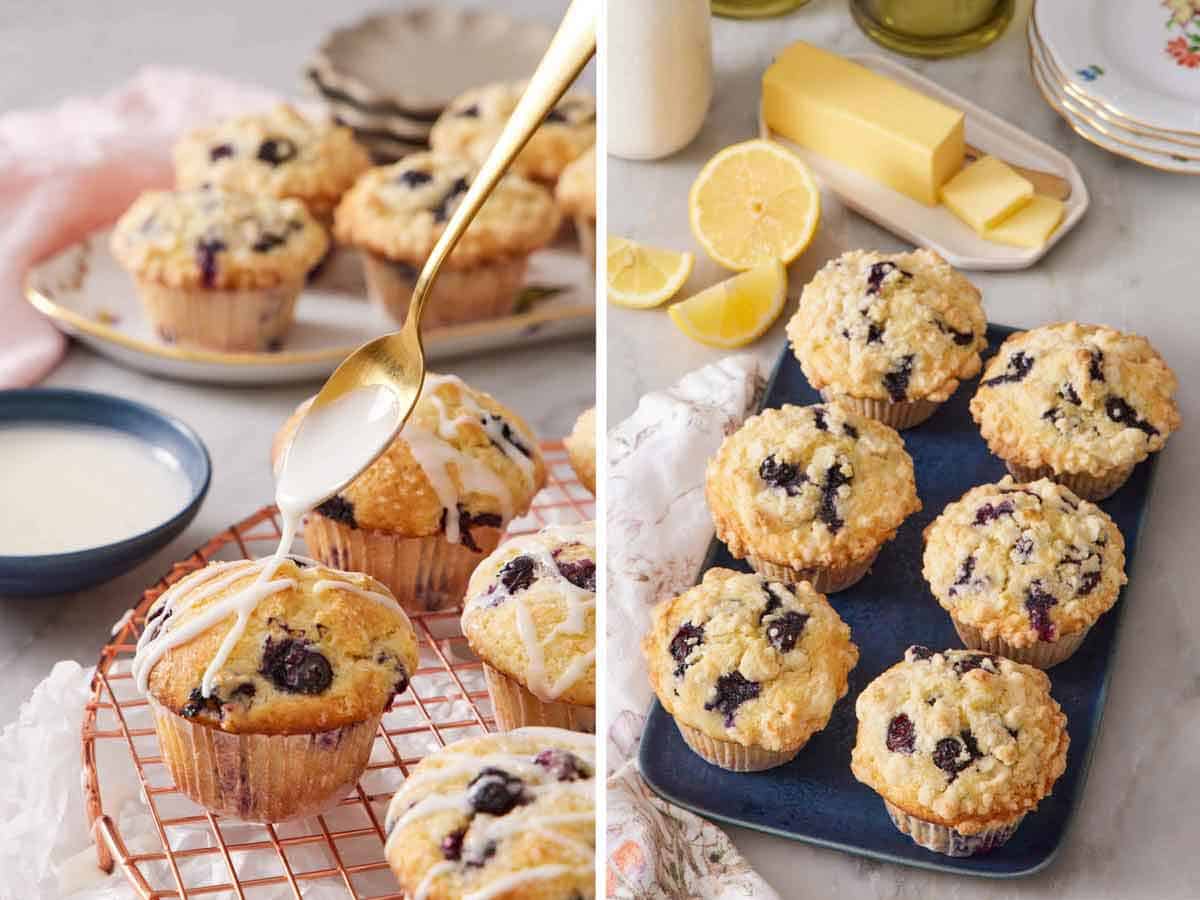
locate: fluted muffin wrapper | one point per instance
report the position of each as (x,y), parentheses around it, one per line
(901,415)
(824,579)
(731,755)
(947,841)
(263,777)
(459,295)
(424,573)
(1089,487)
(235,321)
(516,706)
(1043,654)
(585,233)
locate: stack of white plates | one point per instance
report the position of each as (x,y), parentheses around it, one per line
(1125,74)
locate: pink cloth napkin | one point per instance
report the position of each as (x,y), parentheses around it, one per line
(73,168)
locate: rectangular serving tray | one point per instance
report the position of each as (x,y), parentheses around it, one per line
(815,798)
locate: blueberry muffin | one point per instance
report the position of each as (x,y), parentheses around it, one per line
(810,493)
(576,196)
(471,124)
(267,687)
(749,668)
(279,153)
(506,816)
(1024,570)
(395,214)
(960,745)
(218,269)
(530,615)
(1079,404)
(434,504)
(890,335)
(581,449)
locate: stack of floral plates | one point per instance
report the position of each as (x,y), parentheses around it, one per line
(389,76)
(1125,74)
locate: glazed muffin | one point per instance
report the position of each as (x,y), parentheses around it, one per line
(1079,404)
(890,335)
(576,196)
(503,815)
(395,214)
(423,515)
(810,493)
(1024,570)
(749,668)
(218,269)
(471,124)
(530,615)
(279,153)
(267,695)
(960,745)
(581,448)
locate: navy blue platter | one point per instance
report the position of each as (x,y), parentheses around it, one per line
(815,798)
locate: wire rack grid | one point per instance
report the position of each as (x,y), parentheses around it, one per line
(167,846)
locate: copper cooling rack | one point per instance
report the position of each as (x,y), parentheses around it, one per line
(173,848)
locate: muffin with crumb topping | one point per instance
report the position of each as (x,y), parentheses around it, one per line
(581,448)
(576,196)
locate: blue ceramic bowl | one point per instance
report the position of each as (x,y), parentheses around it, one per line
(56,573)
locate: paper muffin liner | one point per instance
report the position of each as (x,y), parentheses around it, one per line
(516,706)
(731,755)
(947,841)
(459,295)
(585,232)
(905,414)
(248,321)
(424,573)
(824,579)
(1089,487)
(262,777)
(1043,654)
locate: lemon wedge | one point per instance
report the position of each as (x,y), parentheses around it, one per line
(641,277)
(736,311)
(754,202)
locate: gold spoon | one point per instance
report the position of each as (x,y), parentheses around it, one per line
(396,361)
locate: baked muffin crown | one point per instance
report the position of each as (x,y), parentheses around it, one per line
(515,809)
(1024,562)
(581,448)
(531,612)
(749,660)
(217,239)
(1077,398)
(399,212)
(279,153)
(576,188)
(473,121)
(960,738)
(320,650)
(814,485)
(894,326)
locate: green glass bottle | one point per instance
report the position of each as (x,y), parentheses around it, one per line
(932,28)
(754,9)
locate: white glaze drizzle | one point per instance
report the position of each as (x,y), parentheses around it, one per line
(434,873)
(516,879)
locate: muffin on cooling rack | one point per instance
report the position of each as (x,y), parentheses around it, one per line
(576,196)
(423,515)
(530,615)
(581,448)
(395,214)
(267,694)
(218,269)
(961,745)
(1079,404)
(889,335)
(502,815)
(1024,570)
(472,122)
(749,668)
(278,153)
(810,493)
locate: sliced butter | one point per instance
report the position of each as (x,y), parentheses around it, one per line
(986,193)
(863,120)
(1030,226)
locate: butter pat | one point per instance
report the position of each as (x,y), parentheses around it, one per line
(986,193)
(867,122)
(1030,226)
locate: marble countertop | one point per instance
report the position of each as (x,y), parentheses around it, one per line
(1131,264)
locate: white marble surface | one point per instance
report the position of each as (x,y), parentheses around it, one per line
(1131,264)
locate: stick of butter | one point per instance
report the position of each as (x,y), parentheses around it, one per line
(986,193)
(863,120)
(1031,225)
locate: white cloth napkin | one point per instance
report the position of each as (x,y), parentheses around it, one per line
(658,531)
